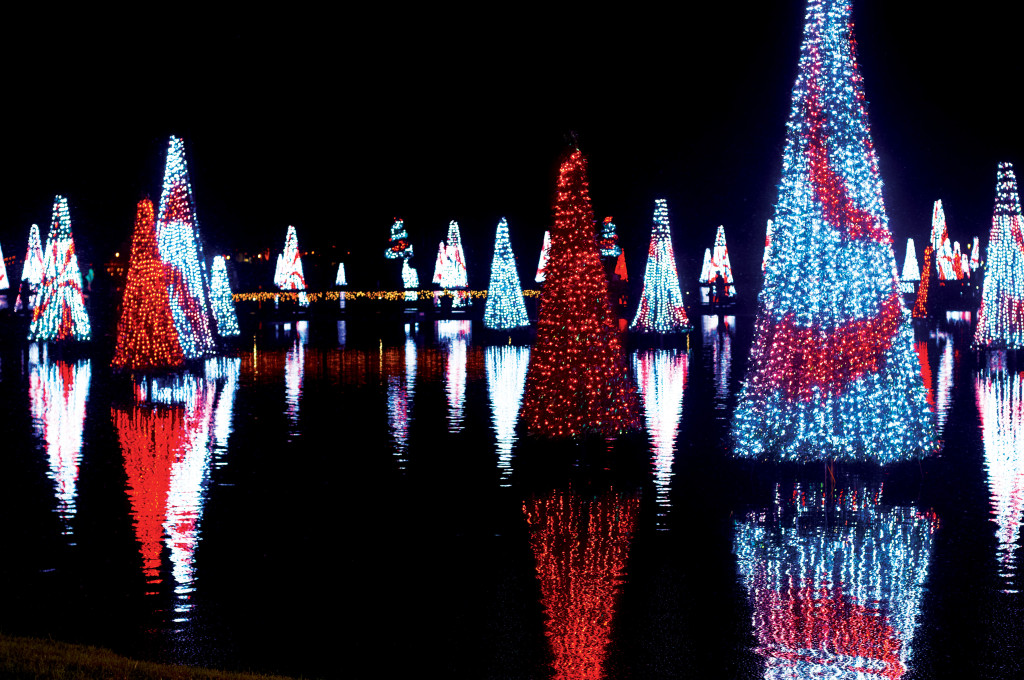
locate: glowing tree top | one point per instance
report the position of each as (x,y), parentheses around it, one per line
(1001,318)
(832,373)
(289,274)
(577,381)
(661,307)
(505,308)
(608,241)
(339,279)
(60,312)
(545,253)
(398,243)
(719,267)
(945,262)
(146,335)
(221,300)
(177,234)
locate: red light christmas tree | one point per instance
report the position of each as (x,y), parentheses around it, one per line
(577,382)
(60,313)
(832,372)
(180,249)
(1001,318)
(146,335)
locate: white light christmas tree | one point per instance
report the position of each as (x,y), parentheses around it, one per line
(975,255)
(542,264)
(289,274)
(942,249)
(661,307)
(221,300)
(410,280)
(1001,317)
(505,308)
(911,269)
(341,280)
(832,373)
(178,238)
(718,270)
(60,312)
(31,269)
(450,267)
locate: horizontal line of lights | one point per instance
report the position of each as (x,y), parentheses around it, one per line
(335,295)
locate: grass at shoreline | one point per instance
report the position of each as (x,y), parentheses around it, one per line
(45,659)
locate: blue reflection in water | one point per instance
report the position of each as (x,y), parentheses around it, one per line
(835,579)
(717,334)
(401,390)
(454,335)
(506,377)
(175,427)
(58,391)
(662,376)
(1000,396)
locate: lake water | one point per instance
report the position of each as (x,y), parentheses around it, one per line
(340,500)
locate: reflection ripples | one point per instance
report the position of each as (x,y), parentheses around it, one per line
(1000,397)
(58,391)
(581,545)
(717,335)
(454,335)
(506,378)
(834,579)
(662,376)
(401,391)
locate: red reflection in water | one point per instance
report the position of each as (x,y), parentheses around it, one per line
(581,546)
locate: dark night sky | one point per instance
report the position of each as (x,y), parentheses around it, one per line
(337,123)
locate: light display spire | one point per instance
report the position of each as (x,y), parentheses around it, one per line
(289,274)
(832,373)
(1001,317)
(31,269)
(450,268)
(221,300)
(545,253)
(911,270)
(608,242)
(505,308)
(941,246)
(146,334)
(398,243)
(718,270)
(339,279)
(60,313)
(661,307)
(577,382)
(177,234)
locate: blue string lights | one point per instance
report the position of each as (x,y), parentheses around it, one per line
(661,307)
(505,308)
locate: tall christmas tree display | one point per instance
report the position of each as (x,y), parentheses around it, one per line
(60,313)
(178,237)
(289,274)
(608,241)
(398,243)
(942,249)
(221,301)
(31,270)
(577,382)
(661,307)
(341,281)
(1001,318)
(505,308)
(146,334)
(832,372)
(450,268)
(911,272)
(717,271)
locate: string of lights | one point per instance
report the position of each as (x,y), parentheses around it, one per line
(505,308)
(1001,317)
(661,308)
(60,314)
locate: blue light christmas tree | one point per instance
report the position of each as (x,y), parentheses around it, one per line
(60,313)
(1001,318)
(221,300)
(832,373)
(505,308)
(661,307)
(178,238)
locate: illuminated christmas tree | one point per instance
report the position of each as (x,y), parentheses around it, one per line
(31,269)
(911,270)
(921,302)
(450,268)
(545,253)
(221,300)
(1001,317)
(661,307)
(608,241)
(289,274)
(975,255)
(146,335)
(941,246)
(398,243)
(717,270)
(177,234)
(505,308)
(60,312)
(340,280)
(832,373)
(577,382)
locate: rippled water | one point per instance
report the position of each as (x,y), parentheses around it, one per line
(337,500)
